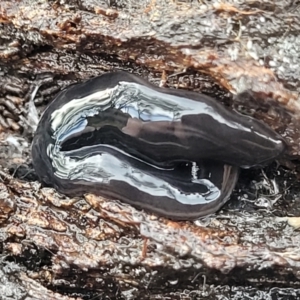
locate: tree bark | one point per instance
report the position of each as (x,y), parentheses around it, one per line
(245,55)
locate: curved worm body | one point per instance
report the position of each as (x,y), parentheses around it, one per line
(173,152)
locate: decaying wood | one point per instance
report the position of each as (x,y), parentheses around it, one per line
(94,248)
(107,243)
(245,47)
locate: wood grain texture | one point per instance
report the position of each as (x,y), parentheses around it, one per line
(246,54)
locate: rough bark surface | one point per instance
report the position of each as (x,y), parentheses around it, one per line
(245,54)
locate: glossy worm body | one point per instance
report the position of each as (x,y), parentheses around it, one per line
(173,152)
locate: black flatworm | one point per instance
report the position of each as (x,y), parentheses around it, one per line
(173,152)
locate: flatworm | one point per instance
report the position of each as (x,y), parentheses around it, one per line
(173,152)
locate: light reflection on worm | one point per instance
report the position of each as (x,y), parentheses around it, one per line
(172,152)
